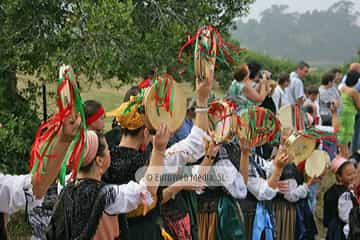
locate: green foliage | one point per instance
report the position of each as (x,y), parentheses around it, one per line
(17,133)
(105,39)
(325,37)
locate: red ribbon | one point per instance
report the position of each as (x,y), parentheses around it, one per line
(221,44)
(90,119)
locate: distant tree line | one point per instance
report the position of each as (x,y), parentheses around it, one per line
(322,37)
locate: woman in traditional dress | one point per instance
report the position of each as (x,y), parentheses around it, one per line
(219,215)
(127,158)
(87,207)
(262,187)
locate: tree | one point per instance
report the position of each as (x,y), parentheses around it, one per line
(101,39)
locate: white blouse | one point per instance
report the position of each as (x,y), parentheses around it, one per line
(16,192)
(188,150)
(234,182)
(128,197)
(257,185)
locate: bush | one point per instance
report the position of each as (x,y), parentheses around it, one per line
(16,136)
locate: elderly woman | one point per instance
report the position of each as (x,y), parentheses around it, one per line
(87,207)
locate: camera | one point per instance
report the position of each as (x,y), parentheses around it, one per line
(330,104)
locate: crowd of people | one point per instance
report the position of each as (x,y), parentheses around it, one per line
(265,195)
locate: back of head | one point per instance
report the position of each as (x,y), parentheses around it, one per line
(312,90)
(241,72)
(91,107)
(354,67)
(133,91)
(335,71)
(254,68)
(352,78)
(327,78)
(284,77)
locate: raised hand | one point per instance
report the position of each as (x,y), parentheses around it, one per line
(161,138)
(281,159)
(70,127)
(283,187)
(203,89)
(245,145)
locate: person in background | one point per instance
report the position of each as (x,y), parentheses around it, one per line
(355,143)
(295,91)
(279,97)
(312,94)
(339,199)
(338,76)
(351,105)
(328,96)
(242,90)
(95,115)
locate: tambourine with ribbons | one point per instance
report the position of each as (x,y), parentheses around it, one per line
(292,117)
(164,101)
(257,124)
(299,146)
(209,46)
(222,120)
(69,103)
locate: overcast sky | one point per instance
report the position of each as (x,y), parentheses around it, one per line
(295,5)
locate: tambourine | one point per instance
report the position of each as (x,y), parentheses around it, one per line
(317,163)
(258,125)
(159,104)
(300,146)
(291,117)
(222,120)
(205,53)
(209,46)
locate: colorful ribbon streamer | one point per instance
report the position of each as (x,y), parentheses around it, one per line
(46,135)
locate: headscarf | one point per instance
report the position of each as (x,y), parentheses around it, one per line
(127,114)
(92,146)
(337,163)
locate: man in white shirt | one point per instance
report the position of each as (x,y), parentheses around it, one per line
(295,92)
(279,96)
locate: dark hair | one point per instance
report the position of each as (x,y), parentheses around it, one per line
(327,78)
(312,90)
(309,109)
(352,78)
(254,68)
(335,71)
(241,72)
(133,91)
(126,132)
(91,107)
(302,64)
(100,152)
(339,172)
(150,73)
(284,77)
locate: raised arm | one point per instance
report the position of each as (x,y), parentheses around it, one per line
(255,96)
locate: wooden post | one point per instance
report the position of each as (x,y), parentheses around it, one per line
(44,102)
